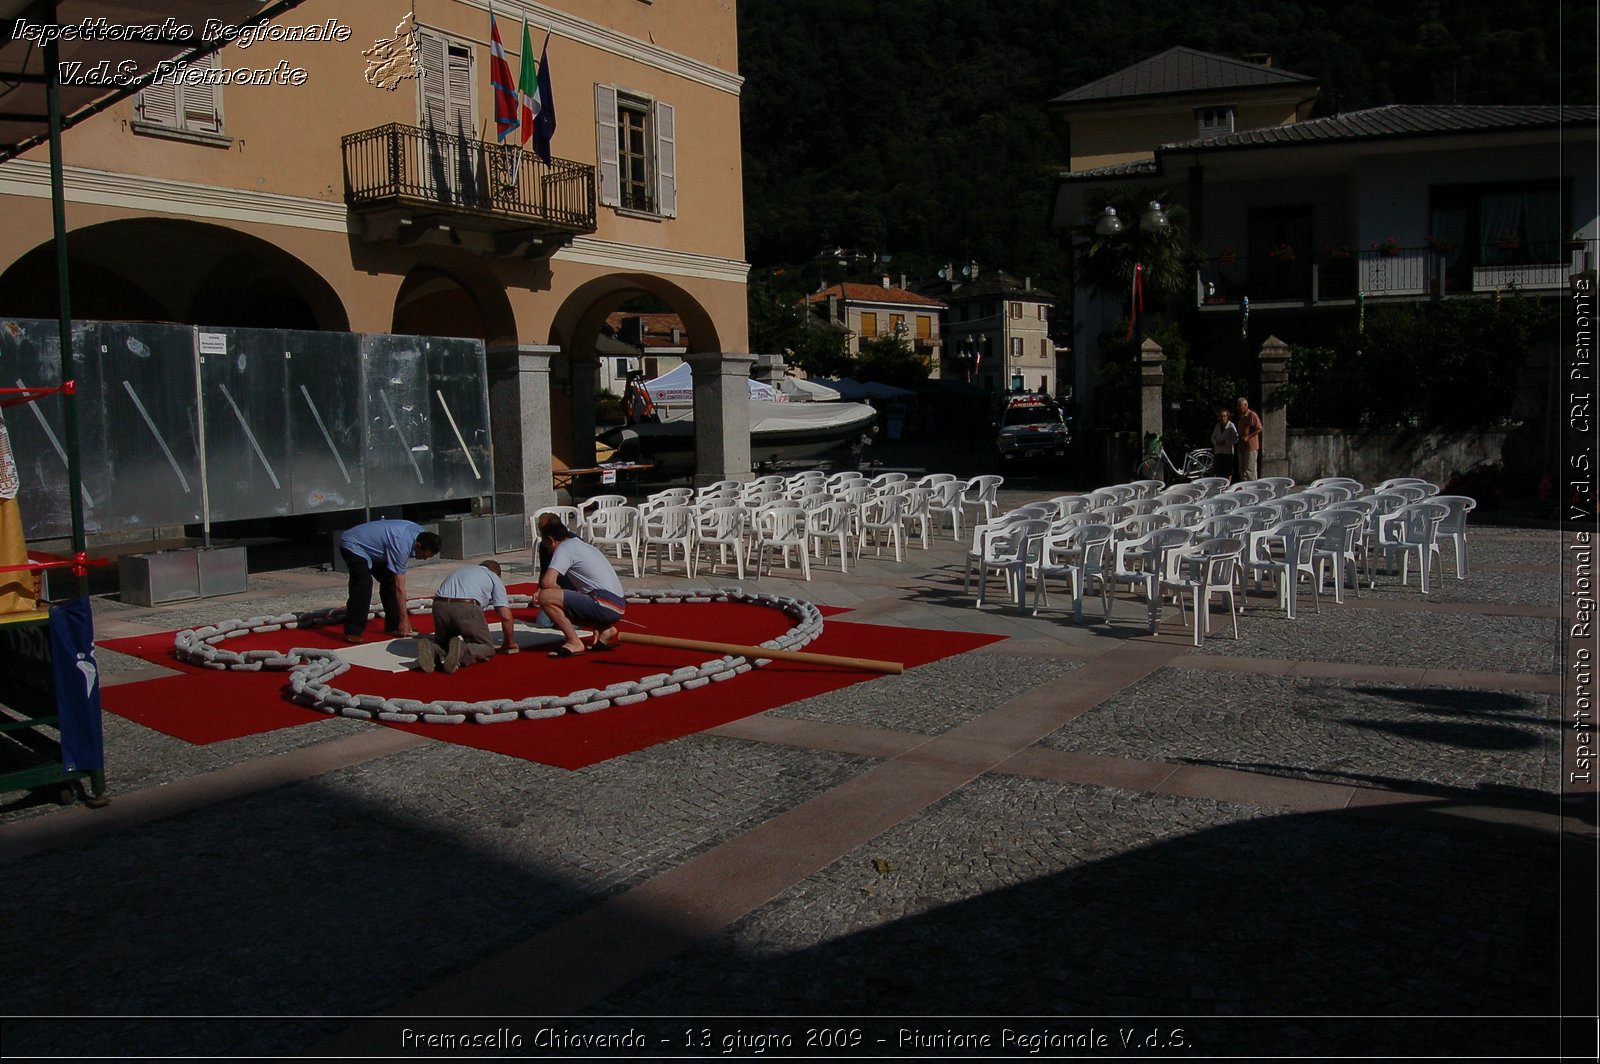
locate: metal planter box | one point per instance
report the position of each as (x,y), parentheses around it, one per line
(159,577)
(467,536)
(223,570)
(510,532)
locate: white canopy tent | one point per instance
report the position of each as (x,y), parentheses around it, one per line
(676,388)
(807,391)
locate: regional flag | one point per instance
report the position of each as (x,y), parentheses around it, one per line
(544,125)
(528,86)
(505,93)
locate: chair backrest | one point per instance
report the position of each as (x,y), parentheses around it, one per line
(1211,485)
(917,499)
(1148,489)
(721,524)
(610,524)
(1409,492)
(770,481)
(570,516)
(1340,527)
(1181,493)
(670,493)
(1221,556)
(844,477)
(1292,506)
(1247,494)
(806,476)
(1213,505)
(1021,541)
(1092,540)
(982,488)
(1260,516)
(1181,514)
(595,502)
(1152,548)
(1455,522)
(781,523)
(1419,521)
(720,487)
(1393,482)
(1299,535)
(946,495)
(936,478)
(1101,497)
(1334,492)
(1122,492)
(1071,504)
(1140,525)
(1145,506)
(829,518)
(1280,485)
(884,480)
(1223,525)
(666,523)
(1355,486)
(1114,513)
(880,510)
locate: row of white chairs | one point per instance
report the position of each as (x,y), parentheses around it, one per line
(1187,547)
(801,516)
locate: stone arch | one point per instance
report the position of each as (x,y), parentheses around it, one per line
(163,269)
(576,327)
(443,297)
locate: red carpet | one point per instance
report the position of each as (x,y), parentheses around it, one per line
(209,705)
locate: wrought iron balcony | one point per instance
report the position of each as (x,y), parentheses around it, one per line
(410,185)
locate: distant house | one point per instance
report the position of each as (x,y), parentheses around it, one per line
(651,344)
(867,311)
(1397,202)
(998,336)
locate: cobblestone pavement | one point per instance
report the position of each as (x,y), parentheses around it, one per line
(1356,814)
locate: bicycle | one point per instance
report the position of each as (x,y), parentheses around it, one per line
(1196,463)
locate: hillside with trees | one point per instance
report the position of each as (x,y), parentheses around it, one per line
(916,129)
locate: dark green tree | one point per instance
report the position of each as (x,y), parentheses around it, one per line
(889,359)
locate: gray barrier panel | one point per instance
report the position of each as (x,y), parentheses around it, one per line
(325,395)
(294,423)
(243,382)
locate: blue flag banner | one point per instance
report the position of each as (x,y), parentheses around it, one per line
(77,680)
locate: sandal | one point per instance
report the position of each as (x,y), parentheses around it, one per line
(565,652)
(603,646)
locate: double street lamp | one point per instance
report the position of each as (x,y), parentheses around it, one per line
(1152,220)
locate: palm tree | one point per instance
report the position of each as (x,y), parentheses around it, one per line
(1106,260)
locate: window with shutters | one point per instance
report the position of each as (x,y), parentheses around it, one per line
(637,146)
(185,111)
(924,327)
(869,323)
(446,115)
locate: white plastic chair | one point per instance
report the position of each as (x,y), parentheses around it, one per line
(1297,541)
(1419,534)
(782,528)
(1208,568)
(1454,527)
(1012,551)
(980,539)
(829,524)
(667,528)
(933,479)
(879,519)
(983,491)
(1336,547)
(1281,486)
(917,510)
(946,502)
(1381,535)
(1140,563)
(616,527)
(1148,489)
(1181,514)
(1077,553)
(1212,505)
(1355,486)
(1066,505)
(1180,493)
(1223,526)
(721,527)
(883,481)
(844,478)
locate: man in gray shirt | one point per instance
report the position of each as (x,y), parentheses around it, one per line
(579,584)
(459,628)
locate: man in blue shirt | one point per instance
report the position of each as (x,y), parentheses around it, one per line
(381,550)
(458,625)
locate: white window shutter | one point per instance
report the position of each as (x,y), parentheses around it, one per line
(667,159)
(462,114)
(201,105)
(605,134)
(433,105)
(158,105)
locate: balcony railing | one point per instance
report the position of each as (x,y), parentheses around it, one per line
(501,186)
(1401,272)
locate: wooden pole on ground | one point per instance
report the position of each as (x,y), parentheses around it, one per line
(893,668)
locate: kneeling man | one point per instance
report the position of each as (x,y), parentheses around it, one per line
(458,625)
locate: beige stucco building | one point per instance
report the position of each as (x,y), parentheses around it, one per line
(352,201)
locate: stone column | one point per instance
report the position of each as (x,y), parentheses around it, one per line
(1151,375)
(519,425)
(1274,416)
(721,415)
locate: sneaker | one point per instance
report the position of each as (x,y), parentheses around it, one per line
(427,654)
(453,654)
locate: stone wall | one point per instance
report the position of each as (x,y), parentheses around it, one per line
(1373,457)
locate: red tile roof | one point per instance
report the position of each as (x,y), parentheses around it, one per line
(849,292)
